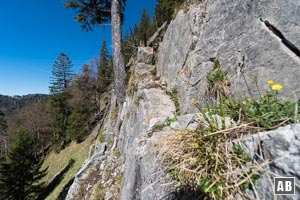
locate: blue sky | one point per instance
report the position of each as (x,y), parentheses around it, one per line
(34,32)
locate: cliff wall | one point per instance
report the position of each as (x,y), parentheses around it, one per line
(255,41)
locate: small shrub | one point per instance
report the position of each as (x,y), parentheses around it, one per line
(127,115)
(175,99)
(132,89)
(101,138)
(218,84)
(153,72)
(157,127)
(114,113)
(100,191)
(169,121)
(117,153)
(139,99)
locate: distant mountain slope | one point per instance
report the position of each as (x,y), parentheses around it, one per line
(11,103)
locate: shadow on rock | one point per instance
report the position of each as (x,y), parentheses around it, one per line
(189,194)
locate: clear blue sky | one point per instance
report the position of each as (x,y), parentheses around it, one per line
(34,32)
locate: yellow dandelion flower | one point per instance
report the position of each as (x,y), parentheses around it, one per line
(277,87)
(271,82)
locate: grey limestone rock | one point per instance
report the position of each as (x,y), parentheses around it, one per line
(144,176)
(145,55)
(185,122)
(254,38)
(242,35)
(281,148)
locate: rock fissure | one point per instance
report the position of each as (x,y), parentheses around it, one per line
(280,35)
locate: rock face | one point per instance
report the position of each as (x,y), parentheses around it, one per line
(281,149)
(148,107)
(250,39)
(145,55)
(259,38)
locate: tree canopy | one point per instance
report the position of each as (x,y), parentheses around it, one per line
(3,134)
(98,12)
(61,79)
(105,73)
(61,74)
(20,173)
(93,12)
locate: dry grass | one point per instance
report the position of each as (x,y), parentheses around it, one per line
(207,162)
(58,162)
(114,113)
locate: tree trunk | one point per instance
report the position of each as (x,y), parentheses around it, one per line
(118,59)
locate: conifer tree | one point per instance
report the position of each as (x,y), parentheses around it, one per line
(59,111)
(61,74)
(144,27)
(78,121)
(164,10)
(83,104)
(97,12)
(87,83)
(130,42)
(104,69)
(135,30)
(3,123)
(61,77)
(20,173)
(3,135)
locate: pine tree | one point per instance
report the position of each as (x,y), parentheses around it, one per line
(144,27)
(164,10)
(61,78)
(87,83)
(130,43)
(20,173)
(83,104)
(135,31)
(104,69)
(3,135)
(59,111)
(61,74)
(90,13)
(78,121)
(3,123)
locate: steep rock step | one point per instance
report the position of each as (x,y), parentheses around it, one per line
(147,108)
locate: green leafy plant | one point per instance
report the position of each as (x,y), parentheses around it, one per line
(127,115)
(217,81)
(101,138)
(132,89)
(202,160)
(117,153)
(157,127)
(169,121)
(240,154)
(175,100)
(114,113)
(268,112)
(139,99)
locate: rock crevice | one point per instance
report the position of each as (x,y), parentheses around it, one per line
(279,34)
